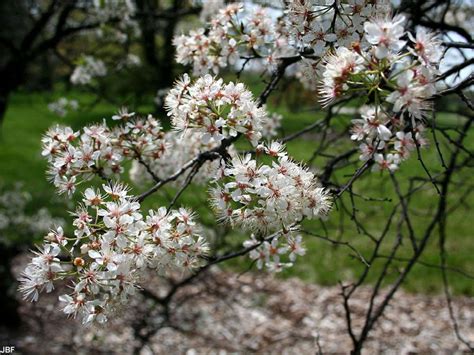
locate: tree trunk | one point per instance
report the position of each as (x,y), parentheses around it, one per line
(146,9)
(168,60)
(3,105)
(12,75)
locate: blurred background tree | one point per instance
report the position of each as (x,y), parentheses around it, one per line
(40,41)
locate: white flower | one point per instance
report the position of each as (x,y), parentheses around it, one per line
(426,46)
(92,197)
(267,197)
(235,31)
(116,191)
(215,109)
(375,124)
(337,71)
(123,114)
(111,251)
(389,162)
(409,96)
(73,305)
(57,236)
(319,36)
(62,105)
(87,70)
(269,253)
(404,144)
(385,35)
(367,150)
(41,272)
(295,247)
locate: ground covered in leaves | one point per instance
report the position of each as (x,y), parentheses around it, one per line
(225,312)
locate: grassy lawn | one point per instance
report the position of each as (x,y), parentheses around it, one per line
(28,118)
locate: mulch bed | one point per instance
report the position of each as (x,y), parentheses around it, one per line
(249,313)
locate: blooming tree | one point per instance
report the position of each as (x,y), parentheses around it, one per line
(342,51)
(91,42)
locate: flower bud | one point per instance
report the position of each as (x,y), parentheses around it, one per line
(356,47)
(84,248)
(94,245)
(51,237)
(78,262)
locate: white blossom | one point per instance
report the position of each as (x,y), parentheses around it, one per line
(89,69)
(215,109)
(385,34)
(268,197)
(115,244)
(62,105)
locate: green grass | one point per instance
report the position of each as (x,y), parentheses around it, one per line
(28,118)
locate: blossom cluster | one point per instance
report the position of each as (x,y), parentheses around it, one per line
(397,83)
(309,28)
(271,125)
(61,106)
(215,109)
(109,9)
(318,25)
(113,243)
(411,74)
(185,147)
(387,149)
(272,251)
(118,24)
(75,157)
(130,61)
(121,13)
(234,32)
(15,218)
(267,197)
(88,69)
(210,8)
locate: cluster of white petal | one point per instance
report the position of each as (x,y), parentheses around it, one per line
(387,146)
(235,32)
(74,156)
(185,147)
(384,35)
(398,83)
(88,69)
(309,27)
(61,106)
(319,24)
(17,220)
(113,243)
(121,13)
(40,273)
(267,197)
(338,69)
(271,125)
(210,8)
(410,81)
(278,252)
(215,109)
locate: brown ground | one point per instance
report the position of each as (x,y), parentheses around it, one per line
(251,313)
